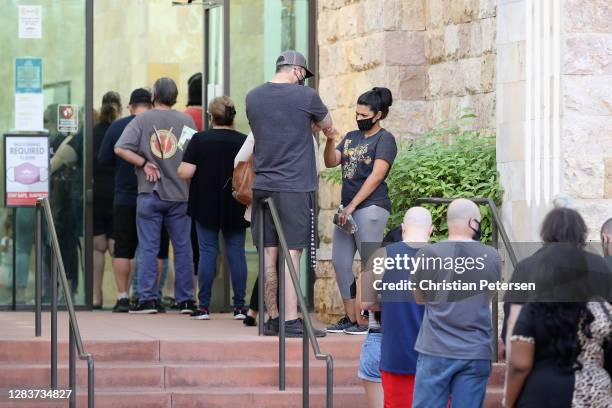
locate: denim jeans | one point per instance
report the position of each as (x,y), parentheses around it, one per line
(162,281)
(151,213)
(208,241)
(438,378)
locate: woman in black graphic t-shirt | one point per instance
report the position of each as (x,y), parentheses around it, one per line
(366,156)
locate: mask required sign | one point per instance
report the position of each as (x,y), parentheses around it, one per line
(26,169)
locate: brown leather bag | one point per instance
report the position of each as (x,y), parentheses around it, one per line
(242,182)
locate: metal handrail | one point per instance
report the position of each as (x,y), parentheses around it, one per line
(308,332)
(75,343)
(498,229)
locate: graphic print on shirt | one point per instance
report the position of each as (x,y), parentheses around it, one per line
(163,143)
(354,156)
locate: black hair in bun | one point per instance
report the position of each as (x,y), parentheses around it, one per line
(378,100)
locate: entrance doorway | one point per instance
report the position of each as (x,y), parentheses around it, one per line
(233,43)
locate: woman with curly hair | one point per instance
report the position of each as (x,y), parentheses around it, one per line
(556,356)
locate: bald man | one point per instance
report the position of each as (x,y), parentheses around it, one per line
(454,343)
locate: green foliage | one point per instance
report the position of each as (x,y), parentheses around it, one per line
(446,162)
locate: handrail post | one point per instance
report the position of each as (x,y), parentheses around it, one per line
(72,365)
(305,368)
(494,299)
(53,322)
(90,381)
(262,264)
(308,327)
(330,381)
(281,320)
(38,272)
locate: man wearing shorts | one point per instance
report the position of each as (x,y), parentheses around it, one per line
(281,113)
(126,191)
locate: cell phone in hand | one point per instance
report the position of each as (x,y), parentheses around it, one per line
(350,226)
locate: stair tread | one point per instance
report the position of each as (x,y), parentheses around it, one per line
(187,364)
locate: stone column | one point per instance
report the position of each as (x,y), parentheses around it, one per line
(554,117)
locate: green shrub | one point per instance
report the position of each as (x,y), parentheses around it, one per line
(446,162)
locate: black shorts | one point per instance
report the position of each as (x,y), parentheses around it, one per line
(126,234)
(296,213)
(126,237)
(103,225)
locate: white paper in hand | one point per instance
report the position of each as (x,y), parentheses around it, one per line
(186,136)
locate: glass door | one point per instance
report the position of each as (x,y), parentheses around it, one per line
(43,69)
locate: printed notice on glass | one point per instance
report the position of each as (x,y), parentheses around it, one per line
(29,98)
(30,22)
(67,118)
(26,169)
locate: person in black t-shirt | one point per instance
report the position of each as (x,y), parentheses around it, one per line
(209,163)
(103,191)
(366,156)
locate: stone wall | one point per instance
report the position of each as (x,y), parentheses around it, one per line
(435,59)
(460,51)
(586,108)
(554,118)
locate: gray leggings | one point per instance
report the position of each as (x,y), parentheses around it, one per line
(371,222)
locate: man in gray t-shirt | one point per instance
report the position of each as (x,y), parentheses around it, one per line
(151,142)
(281,114)
(454,342)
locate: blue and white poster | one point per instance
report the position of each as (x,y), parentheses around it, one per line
(29,98)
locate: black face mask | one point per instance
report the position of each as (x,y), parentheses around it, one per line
(477,231)
(366,124)
(301,81)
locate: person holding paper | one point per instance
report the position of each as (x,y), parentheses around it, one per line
(209,163)
(151,143)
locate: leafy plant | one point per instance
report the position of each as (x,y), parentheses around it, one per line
(450,161)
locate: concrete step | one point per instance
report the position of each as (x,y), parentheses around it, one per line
(250,349)
(269,397)
(157,376)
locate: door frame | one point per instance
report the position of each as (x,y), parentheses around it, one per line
(88,174)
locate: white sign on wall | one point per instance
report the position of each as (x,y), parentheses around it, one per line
(26,169)
(30,22)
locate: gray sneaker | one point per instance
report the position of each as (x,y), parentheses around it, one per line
(342,325)
(356,329)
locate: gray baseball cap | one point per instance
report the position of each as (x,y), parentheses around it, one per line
(293,57)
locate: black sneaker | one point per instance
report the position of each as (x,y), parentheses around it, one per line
(342,325)
(249,321)
(239,313)
(356,329)
(122,306)
(160,306)
(187,307)
(146,307)
(295,328)
(271,327)
(200,314)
